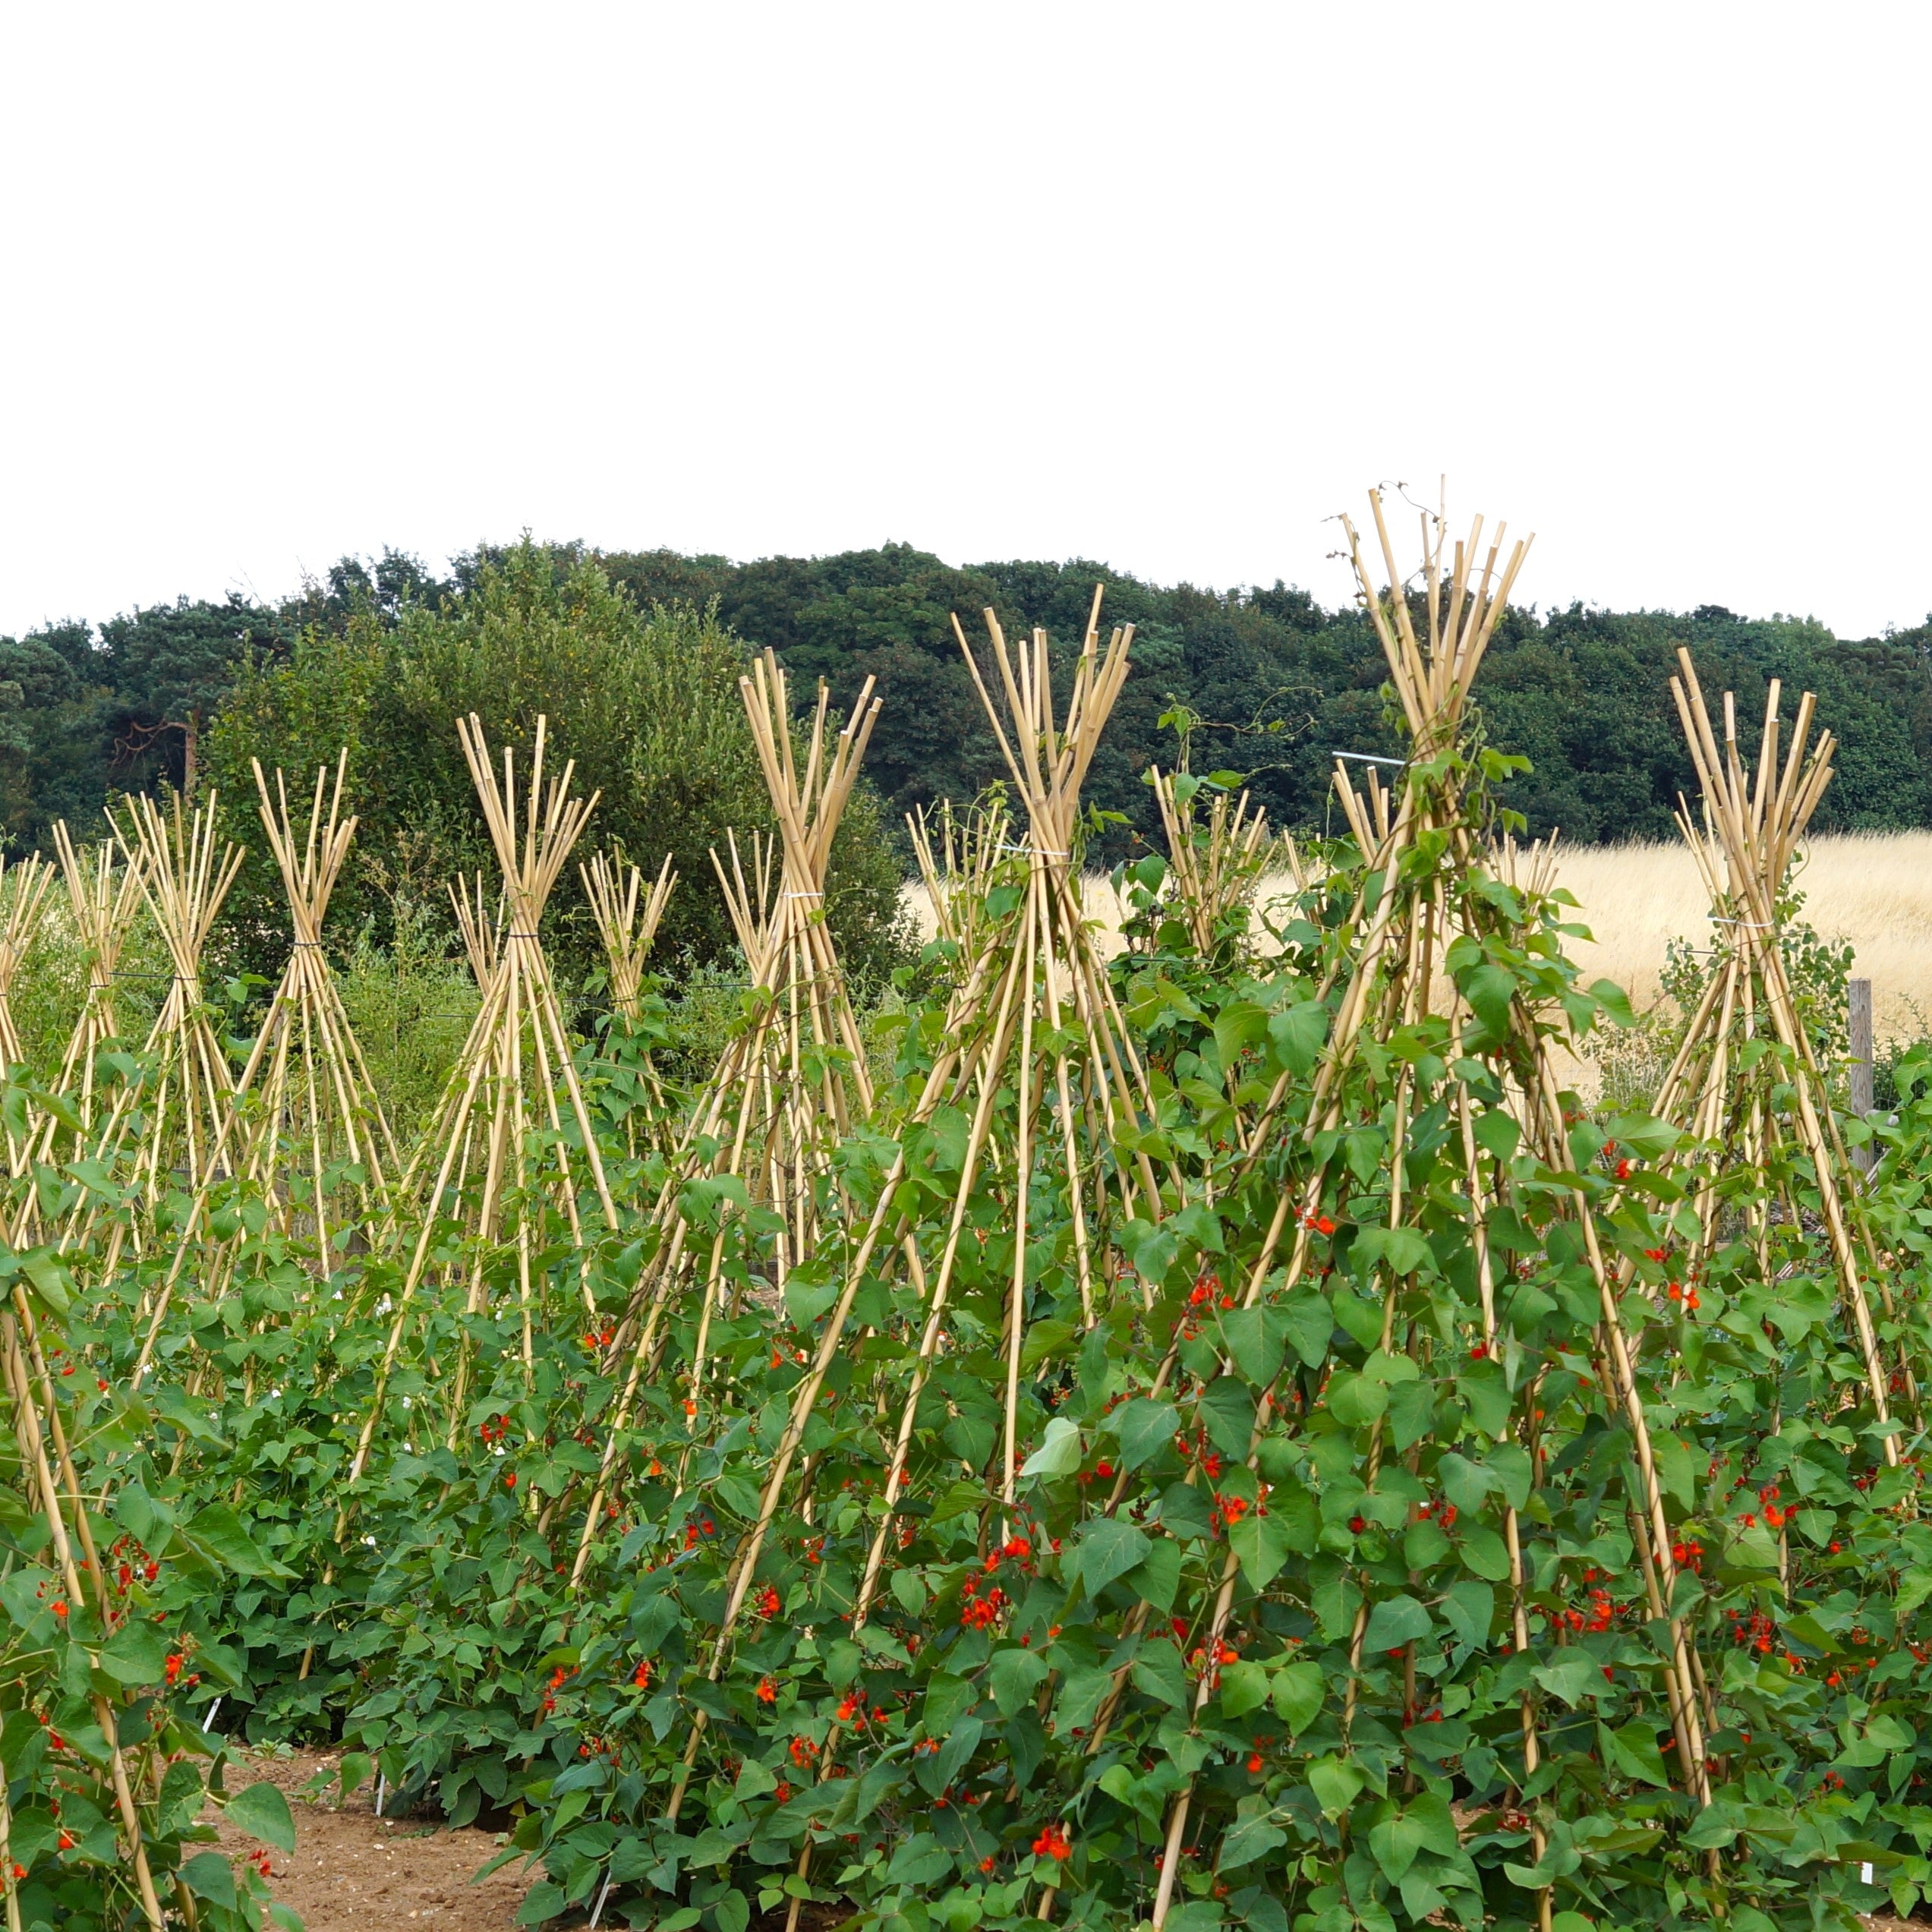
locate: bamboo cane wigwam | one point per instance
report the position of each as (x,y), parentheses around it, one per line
(791,1079)
(1723,1086)
(1421,842)
(627,918)
(314,1106)
(516,1079)
(1215,867)
(104,895)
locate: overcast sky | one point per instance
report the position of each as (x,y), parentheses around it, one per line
(1162,286)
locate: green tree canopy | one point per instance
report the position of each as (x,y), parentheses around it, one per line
(645,701)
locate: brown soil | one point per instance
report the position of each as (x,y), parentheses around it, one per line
(354,1872)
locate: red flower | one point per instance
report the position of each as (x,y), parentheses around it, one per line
(1356,1525)
(769,1603)
(510,1481)
(174,1665)
(1052,1843)
(1254,1764)
(642,1677)
(67,1841)
(767,1691)
(60,1609)
(1323,1225)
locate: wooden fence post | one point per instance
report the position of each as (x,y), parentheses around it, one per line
(1859,1014)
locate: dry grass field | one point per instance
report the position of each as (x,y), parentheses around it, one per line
(1874,889)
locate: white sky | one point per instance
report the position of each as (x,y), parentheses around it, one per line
(1165,286)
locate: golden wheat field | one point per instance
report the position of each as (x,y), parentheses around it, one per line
(1873,888)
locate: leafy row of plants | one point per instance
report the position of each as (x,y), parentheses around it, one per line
(1367,1533)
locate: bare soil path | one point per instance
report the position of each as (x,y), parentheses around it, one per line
(354,1872)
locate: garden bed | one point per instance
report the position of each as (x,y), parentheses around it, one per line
(354,1872)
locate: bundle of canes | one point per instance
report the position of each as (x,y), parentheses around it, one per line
(791,1080)
(516,1064)
(104,895)
(958,853)
(23,900)
(1035,989)
(627,918)
(1214,866)
(184,1101)
(1746,846)
(1403,933)
(306,1075)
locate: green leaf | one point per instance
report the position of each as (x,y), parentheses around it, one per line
(218,1533)
(1572,1675)
(262,1812)
(208,1875)
(138,1654)
(1393,1842)
(543,1901)
(1059,1453)
(1044,1340)
(1157,1579)
(1394,1622)
(1108,1548)
(1482,1551)
(806,1300)
(1400,1249)
(1298,1034)
(1308,1322)
(1243,1686)
(1335,1785)
(1297,1695)
(1261,1545)
(1470,1608)
(1143,1427)
(48,1279)
(1355,1401)
(1464,1482)
(1488,989)
(1015,1674)
(1634,1750)
(1197,1915)
(1251,1839)
(1255,1339)
(1227,1410)
(1674,1468)
(357,1768)
(1411,1412)
(1157,1671)
(1640,1134)
(1237,1027)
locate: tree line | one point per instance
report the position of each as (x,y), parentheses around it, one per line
(635,655)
